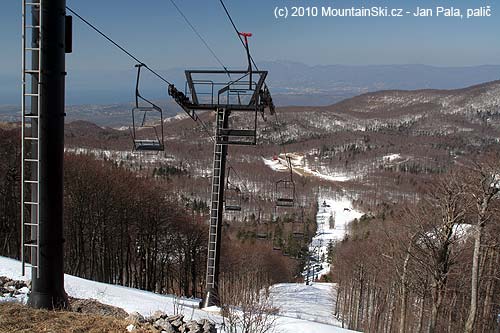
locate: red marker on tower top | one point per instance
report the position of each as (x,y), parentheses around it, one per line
(245,35)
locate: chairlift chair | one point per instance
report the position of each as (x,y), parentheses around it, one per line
(299,227)
(298,230)
(298,234)
(145,134)
(262,235)
(262,231)
(285,193)
(232,202)
(285,189)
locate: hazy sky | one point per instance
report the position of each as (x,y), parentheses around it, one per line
(155,32)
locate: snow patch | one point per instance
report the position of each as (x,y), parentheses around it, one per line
(275,164)
(332,219)
(314,302)
(391,157)
(146,303)
(300,167)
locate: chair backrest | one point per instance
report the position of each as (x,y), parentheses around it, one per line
(147,118)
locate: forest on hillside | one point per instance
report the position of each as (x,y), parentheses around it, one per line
(423,258)
(426,265)
(135,229)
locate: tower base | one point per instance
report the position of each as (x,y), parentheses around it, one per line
(210,299)
(49,301)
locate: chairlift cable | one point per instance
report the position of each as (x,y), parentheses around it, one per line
(129,54)
(200,37)
(251,58)
(237,32)
(232,22)
(132,56)
(109,39)
(255,65)
(287,157)
(278,126)
(265,85)
(203,125)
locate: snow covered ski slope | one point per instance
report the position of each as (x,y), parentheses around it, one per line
(333,217)
(147,303)
(315,302)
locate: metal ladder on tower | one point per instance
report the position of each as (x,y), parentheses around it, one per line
(30,140)
(215,207)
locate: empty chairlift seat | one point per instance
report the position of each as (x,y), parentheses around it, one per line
(147,129)
(285,193)
(233,200)
(262,235)
(298,234)
(147,122)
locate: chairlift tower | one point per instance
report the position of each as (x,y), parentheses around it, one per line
(44,42)
(227,93)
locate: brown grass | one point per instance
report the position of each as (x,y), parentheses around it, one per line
(19,318)
(8,126)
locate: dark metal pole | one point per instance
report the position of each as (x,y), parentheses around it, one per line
(47,290)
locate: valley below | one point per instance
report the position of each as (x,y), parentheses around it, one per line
(371,176)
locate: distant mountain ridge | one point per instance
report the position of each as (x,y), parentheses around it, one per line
(295,84)
(292,83)
(474,110)
(404,77)
(299,84)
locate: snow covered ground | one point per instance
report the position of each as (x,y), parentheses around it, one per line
(391,157)
(315,304)
(303,308)
(301,167)
(333,217)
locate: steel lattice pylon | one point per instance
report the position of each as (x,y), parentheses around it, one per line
(217,91)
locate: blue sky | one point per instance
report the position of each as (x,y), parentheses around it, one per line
(155,32)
